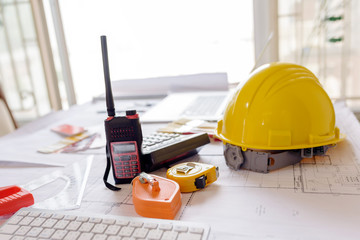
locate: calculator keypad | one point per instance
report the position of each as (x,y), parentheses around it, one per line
(158,140)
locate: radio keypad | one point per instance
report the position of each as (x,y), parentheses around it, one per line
(125,158)
(126,164)
(126,168)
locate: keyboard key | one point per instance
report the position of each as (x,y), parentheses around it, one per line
(189,236)
(126,231)
(95,220)
(114,238)
(99,228)
(59,235)
(69,217)
(150,225)
(155,234)
(100,237)
(9,229)
(16,238)
(179,228)
(61,224)
(109,221)
(169,235)
(49,223)
(86,236)
(26,221)
(140,232)
(35,231)
(128,238)
(37,222)
(46,233)
(34,214)
(15,220)
(22,230)
(73,226)
(112,230)
(46,215)
(196,230)
(82,219)
(86,227)
(57,216)
(6,237)
(136,224)
(72,235)
(165,226)
(122,222)
(24,213)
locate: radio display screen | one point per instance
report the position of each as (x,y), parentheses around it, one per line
(123,148)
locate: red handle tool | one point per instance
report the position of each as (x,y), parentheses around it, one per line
(12,198)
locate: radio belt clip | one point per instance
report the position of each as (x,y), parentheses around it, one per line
(156,197)
(193,176)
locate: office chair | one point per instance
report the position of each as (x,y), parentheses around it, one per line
(7,121)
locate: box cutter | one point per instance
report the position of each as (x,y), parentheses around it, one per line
(12,198)
(193,176)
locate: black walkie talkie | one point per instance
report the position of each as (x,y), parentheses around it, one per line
(123,135)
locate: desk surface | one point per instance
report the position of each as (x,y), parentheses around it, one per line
(315,199)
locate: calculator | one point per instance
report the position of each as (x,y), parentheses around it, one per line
(162,149)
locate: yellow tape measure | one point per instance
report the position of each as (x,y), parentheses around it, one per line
(193,176)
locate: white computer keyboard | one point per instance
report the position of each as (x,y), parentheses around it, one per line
(29,223)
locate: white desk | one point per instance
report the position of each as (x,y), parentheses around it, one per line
(315,199)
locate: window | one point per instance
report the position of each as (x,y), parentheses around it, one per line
(323,36)
(157,38)
(21,72)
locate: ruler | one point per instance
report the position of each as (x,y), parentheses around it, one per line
(68,185)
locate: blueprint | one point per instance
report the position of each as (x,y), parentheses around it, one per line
(318,198)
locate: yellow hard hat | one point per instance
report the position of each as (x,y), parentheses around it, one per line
(281,106)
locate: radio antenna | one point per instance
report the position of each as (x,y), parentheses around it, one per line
(108,91)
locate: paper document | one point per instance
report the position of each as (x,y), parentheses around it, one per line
(315,199)
(209,105)
(161,86)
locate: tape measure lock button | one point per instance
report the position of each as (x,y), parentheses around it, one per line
(200,182)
